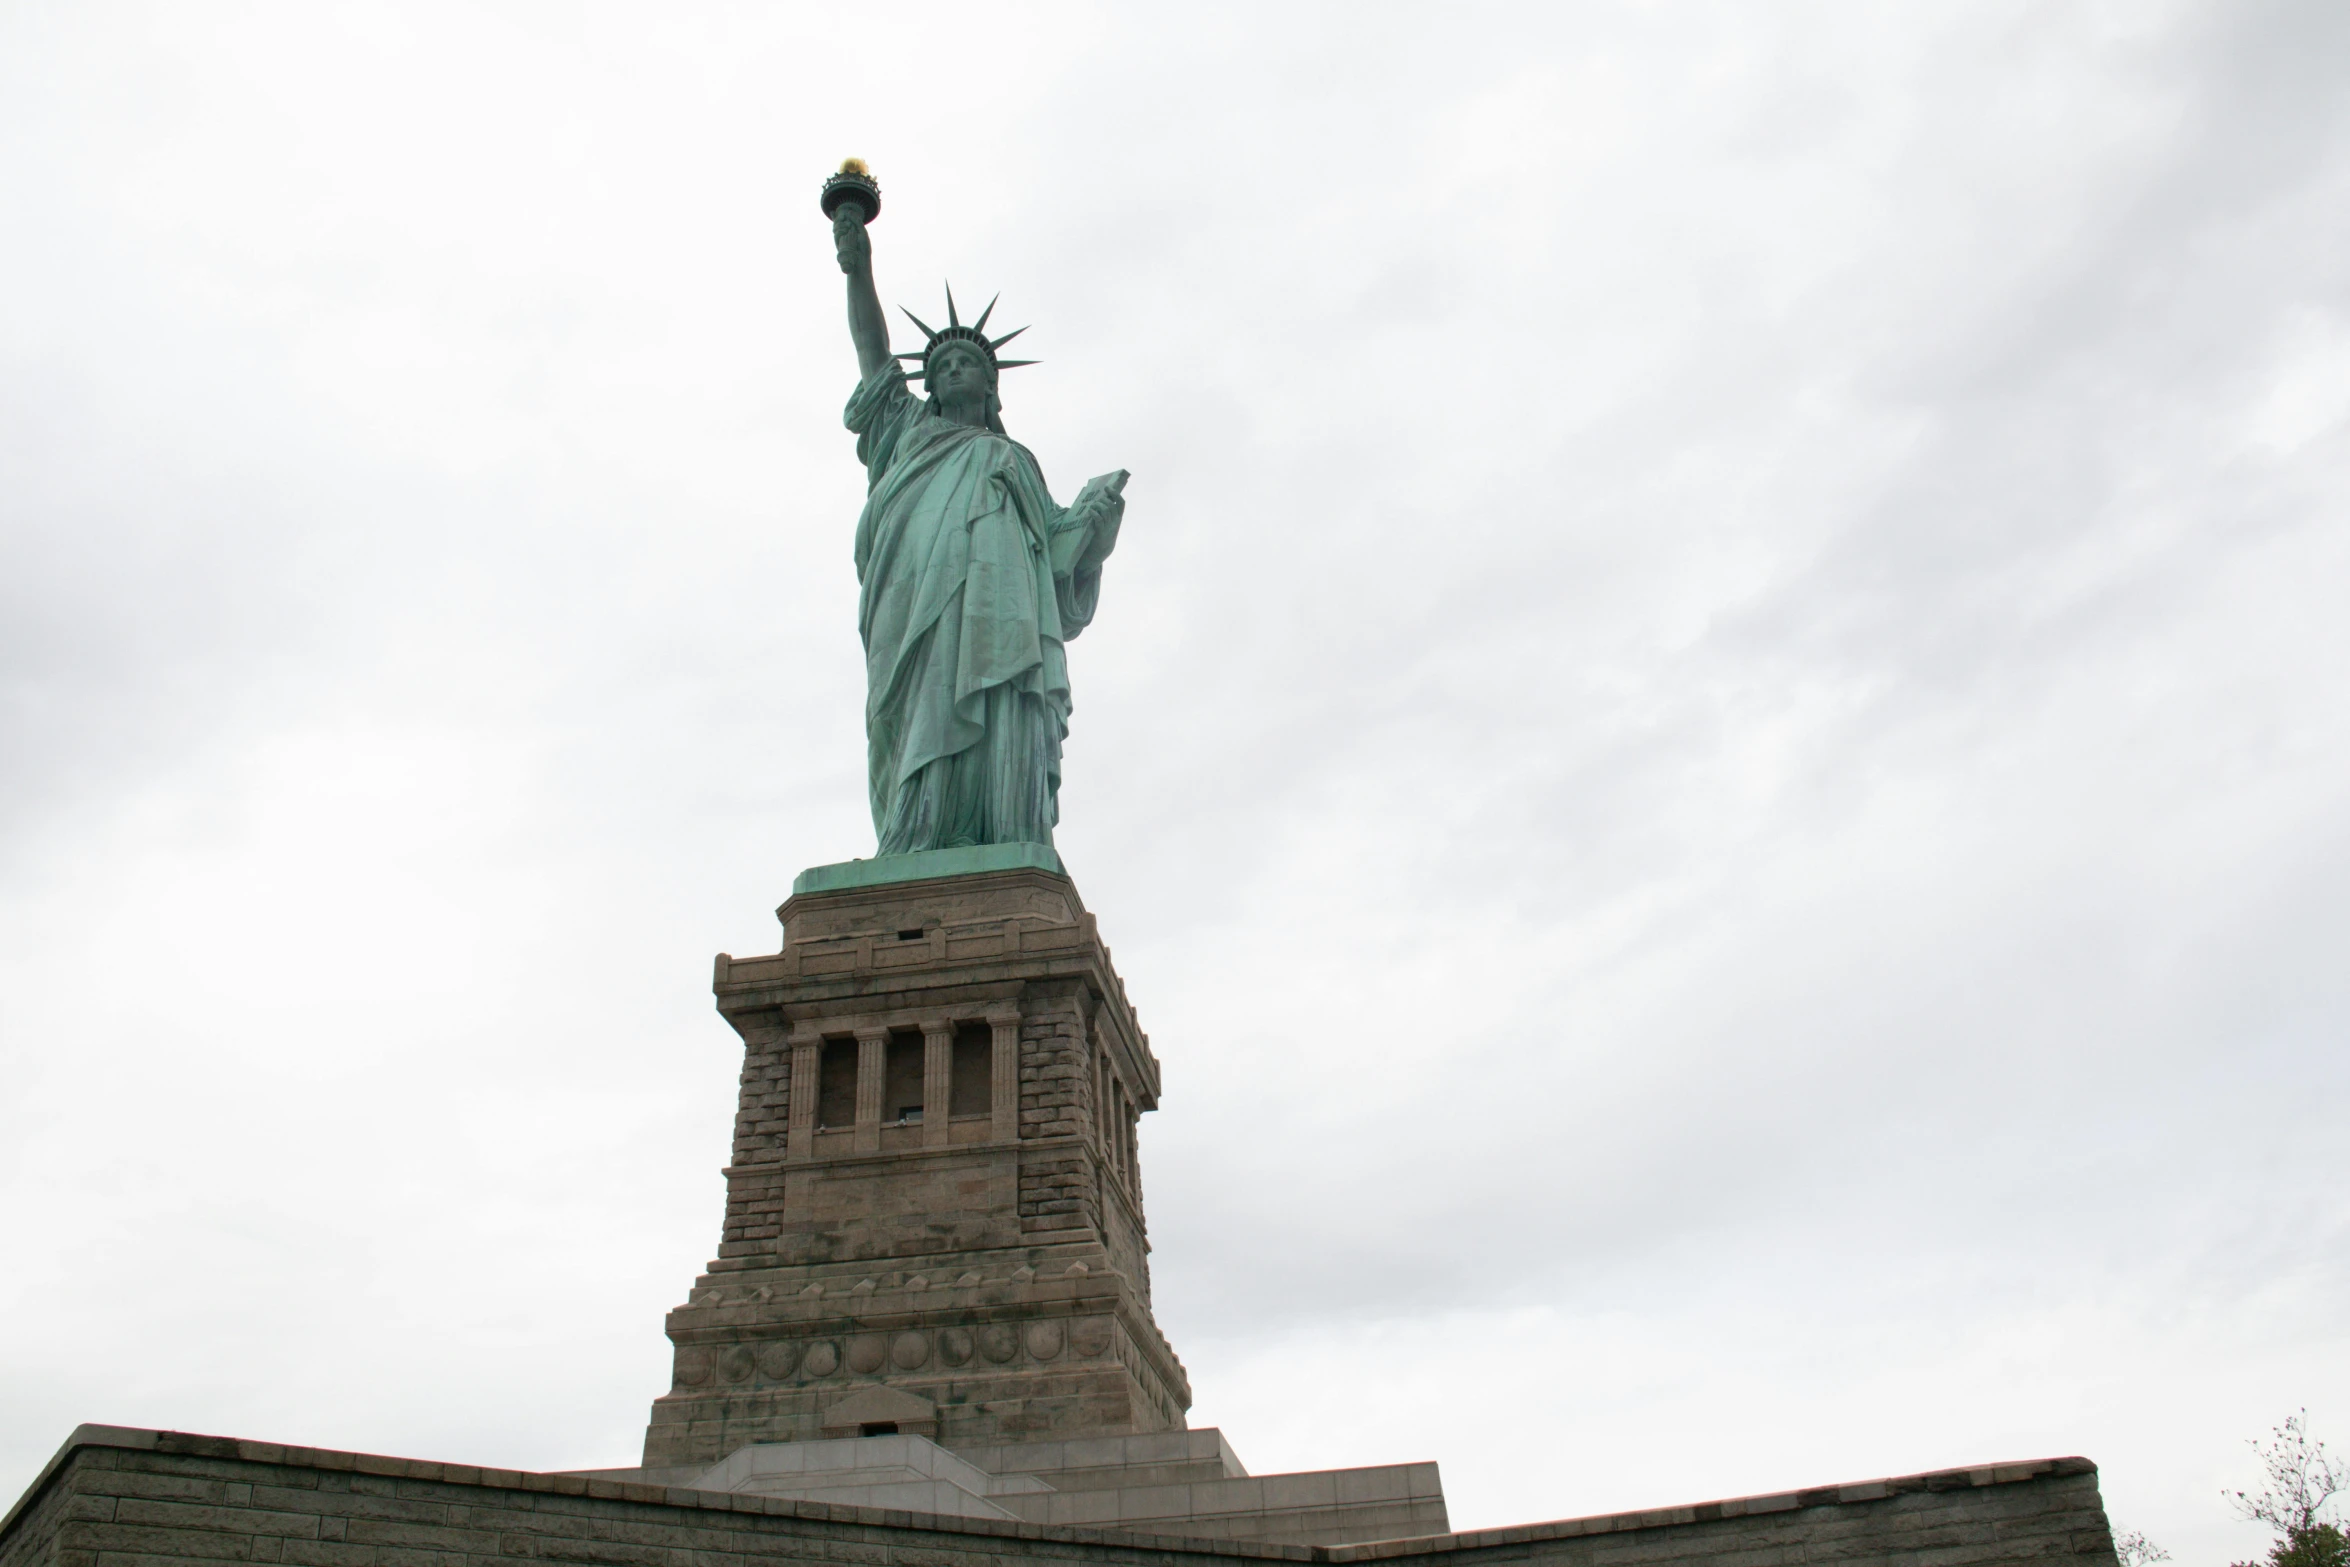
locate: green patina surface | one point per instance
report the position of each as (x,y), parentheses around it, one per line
(972,581)
(927,865)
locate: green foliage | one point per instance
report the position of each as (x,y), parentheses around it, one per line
(2319,1545)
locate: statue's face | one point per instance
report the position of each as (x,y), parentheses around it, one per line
(958,374)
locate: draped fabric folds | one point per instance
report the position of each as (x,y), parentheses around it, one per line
(972,578)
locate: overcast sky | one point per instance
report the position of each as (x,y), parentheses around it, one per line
(1717,750)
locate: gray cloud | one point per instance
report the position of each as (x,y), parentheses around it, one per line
(1713,749)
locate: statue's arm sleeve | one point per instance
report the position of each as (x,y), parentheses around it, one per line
(1077,594)
(1077,560)
(878,411)
(1068,542)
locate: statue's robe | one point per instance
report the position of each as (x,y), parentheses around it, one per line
(970,584)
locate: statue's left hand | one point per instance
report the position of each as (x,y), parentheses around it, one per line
(1103,495)
(1103,504)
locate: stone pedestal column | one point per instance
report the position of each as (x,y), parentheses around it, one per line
(807,1054)
(938,1080)
(872,1061)
(1004,1062)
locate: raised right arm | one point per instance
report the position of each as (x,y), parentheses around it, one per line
(868,328)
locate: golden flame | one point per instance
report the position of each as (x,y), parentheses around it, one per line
(855,166)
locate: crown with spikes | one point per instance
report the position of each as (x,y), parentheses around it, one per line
(956,332)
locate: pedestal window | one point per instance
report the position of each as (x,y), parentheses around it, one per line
(901,1079)
(836,1086)
(973,1092)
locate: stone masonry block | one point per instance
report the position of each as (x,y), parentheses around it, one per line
(158,1487)
(131,1510)
(166,1540)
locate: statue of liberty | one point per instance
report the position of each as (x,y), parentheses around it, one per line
(972,579)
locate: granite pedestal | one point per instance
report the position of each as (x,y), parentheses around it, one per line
(934,1193)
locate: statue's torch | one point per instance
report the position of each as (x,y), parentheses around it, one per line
(854,186)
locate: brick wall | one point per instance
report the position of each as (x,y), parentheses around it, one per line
(754,1201)
(1057,1191)
(128,1498)
(29,1538)
(763,1101)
